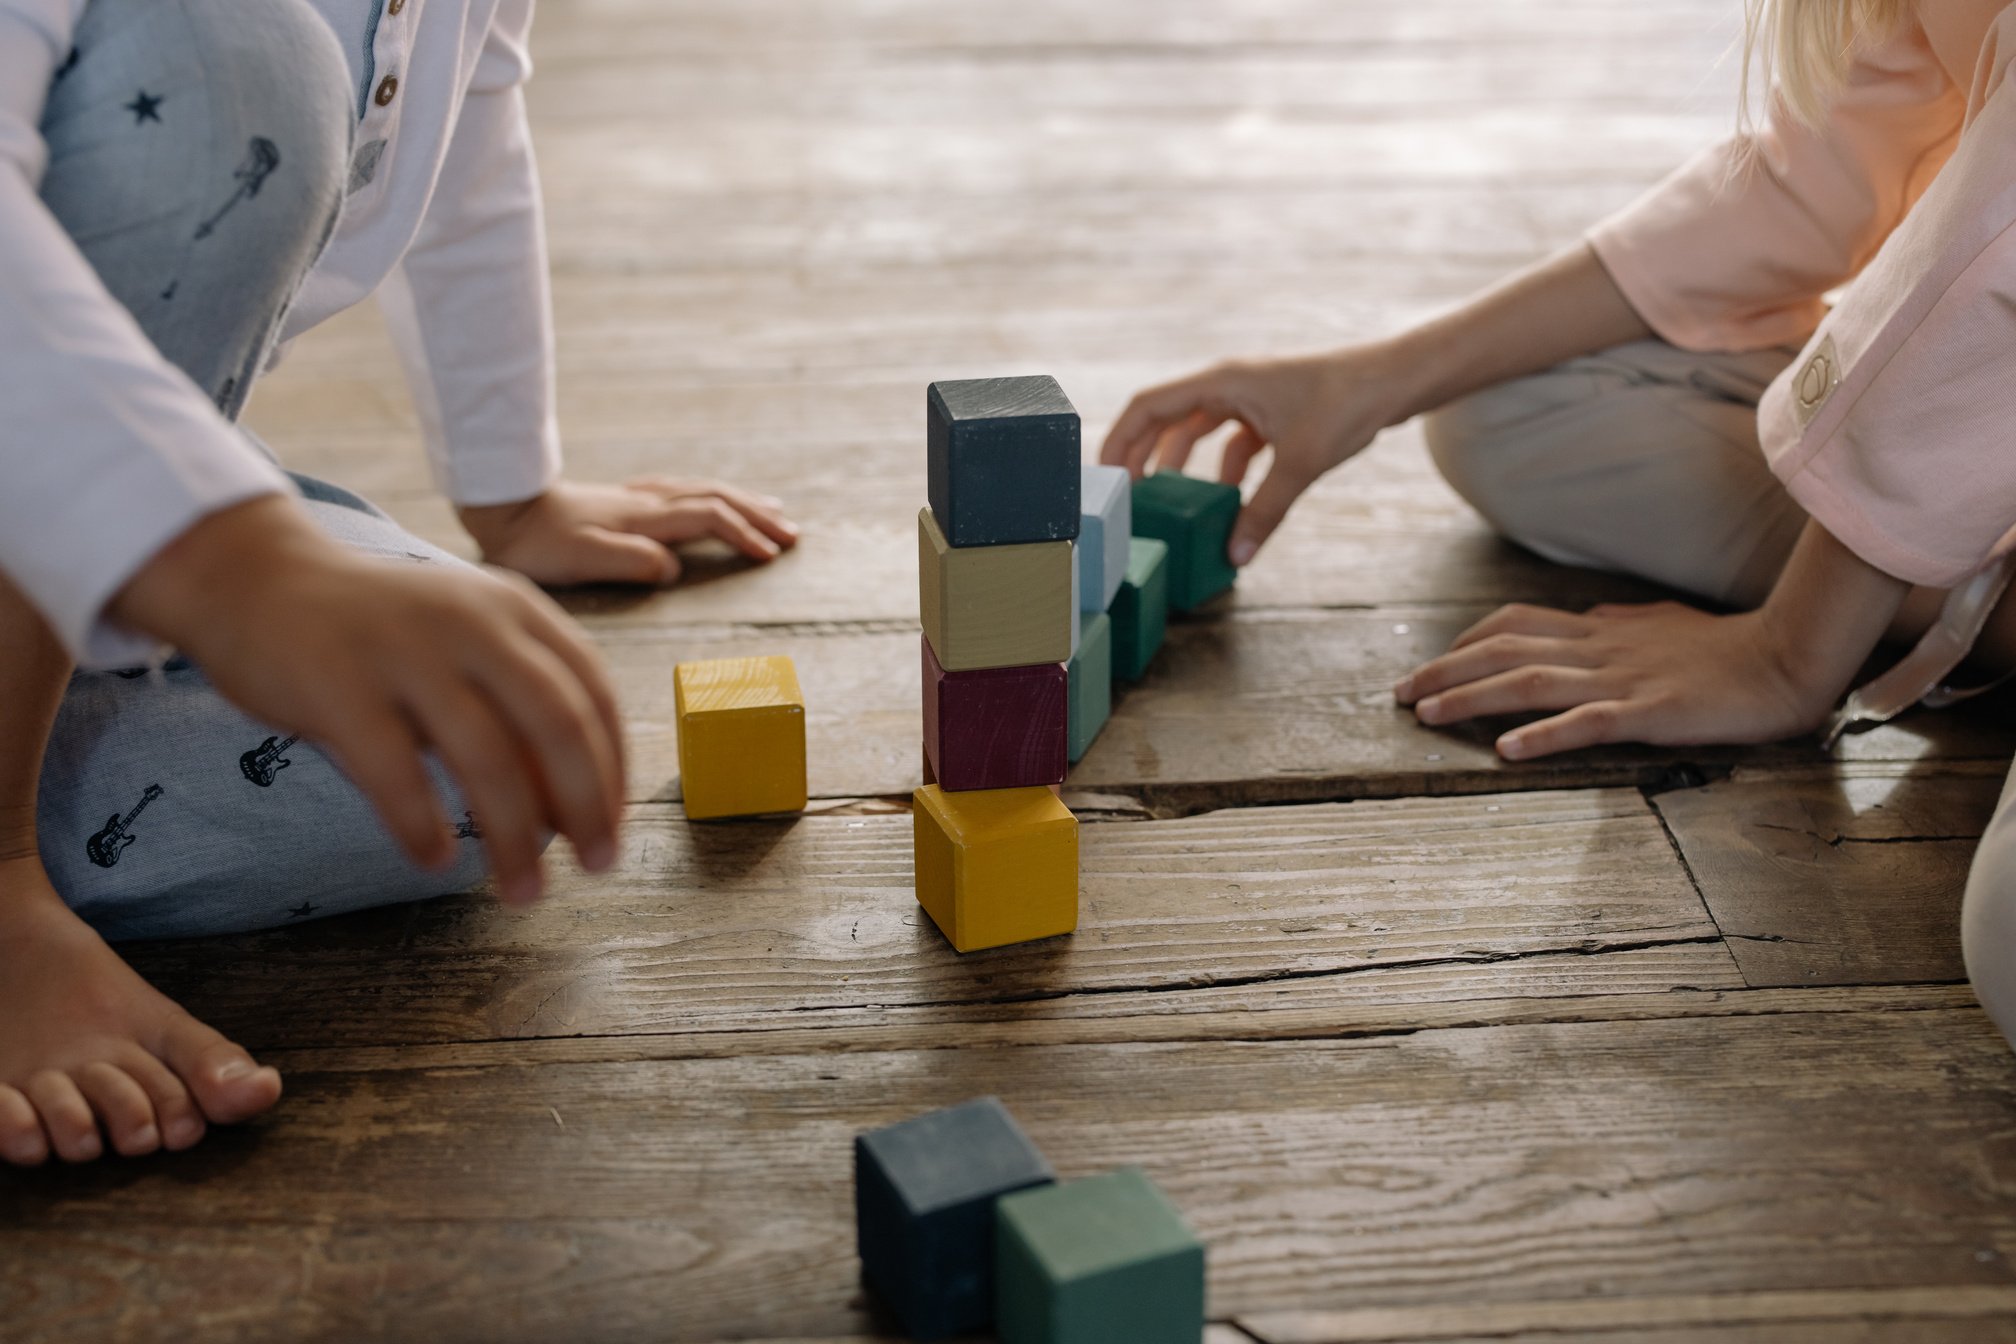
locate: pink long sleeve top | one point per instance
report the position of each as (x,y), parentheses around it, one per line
(1896,426)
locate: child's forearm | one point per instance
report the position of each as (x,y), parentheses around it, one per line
(1827,612)
(1532,320)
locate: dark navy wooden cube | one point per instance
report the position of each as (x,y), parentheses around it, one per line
(924,1193)
(1003,461)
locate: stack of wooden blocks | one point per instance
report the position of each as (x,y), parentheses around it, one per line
(996,850)
(961,1224)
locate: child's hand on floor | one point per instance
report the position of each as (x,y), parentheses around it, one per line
(577,533)
(1315,411)
(1664,674)
(377,661)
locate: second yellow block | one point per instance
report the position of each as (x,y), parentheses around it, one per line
(741,737)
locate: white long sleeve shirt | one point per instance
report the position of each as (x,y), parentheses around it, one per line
(107,452)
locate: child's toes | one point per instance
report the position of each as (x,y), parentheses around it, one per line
(219,1074)
(125,1111)
(66,1116)
(175,1112)
(22,1141)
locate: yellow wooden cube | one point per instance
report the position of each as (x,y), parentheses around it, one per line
(994,606)
(996,866)
(741,736)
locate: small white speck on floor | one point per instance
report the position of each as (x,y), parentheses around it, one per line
(1494,808)
(1434,755)
(554,1111)
(1402,628)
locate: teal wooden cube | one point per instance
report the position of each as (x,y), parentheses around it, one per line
(1102,1261)
(1195,518)
(1140,611)
(1091,676)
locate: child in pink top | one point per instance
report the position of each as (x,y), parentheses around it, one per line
(1676,398)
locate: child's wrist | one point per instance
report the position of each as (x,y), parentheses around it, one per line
(206,564)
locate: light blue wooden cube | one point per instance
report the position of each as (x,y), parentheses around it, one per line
(1104,529)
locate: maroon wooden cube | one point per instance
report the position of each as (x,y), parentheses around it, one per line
(995,727)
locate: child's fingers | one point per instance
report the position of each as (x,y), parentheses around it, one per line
(494,770)
(584,660)
(1487,657)
(1586,725)
(380,754)
(1240,450)
(1518,618)
(705,516)
(1264,512)
(1132,439)
(627,557)
(765,511)
(548,711)
(1175,443)
(1519,691)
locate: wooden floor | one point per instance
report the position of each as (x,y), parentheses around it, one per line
(1636,1045)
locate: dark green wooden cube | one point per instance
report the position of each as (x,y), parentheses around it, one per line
(1195,518)
(1140,610)
(1102,1261)
(1003,466)
(1091,676)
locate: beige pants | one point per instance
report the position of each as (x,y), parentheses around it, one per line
(1644,460)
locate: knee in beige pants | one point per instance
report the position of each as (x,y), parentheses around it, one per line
(1642,460)
(1988,917)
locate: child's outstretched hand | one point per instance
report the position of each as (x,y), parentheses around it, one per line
(578,533)
(1315,411)
(1666,674)
(377,661)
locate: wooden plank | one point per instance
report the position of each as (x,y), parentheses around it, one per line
(1984,1312)
(1276,705)
(1252,707)
(1383,530)
(1844,878)
(711,1197)
(1633,985)
(814,924)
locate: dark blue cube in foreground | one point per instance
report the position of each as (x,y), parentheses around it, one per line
(924,1194)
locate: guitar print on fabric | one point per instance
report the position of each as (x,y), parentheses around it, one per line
(467,829)
(107,845)
(266,760)
(262,156)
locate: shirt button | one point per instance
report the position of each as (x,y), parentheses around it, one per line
(388,88)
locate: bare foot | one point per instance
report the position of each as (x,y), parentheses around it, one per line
(90,1053)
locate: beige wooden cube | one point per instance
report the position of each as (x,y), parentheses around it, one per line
(994,606)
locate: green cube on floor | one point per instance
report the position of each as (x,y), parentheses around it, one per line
(1140,610)
(1195,518)
(1091,677)
(1102,1261)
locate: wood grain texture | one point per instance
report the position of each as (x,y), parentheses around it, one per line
(1985,1312)
(1843,877)
(771,924)
(1299,704)
(1260,707)
(1432,1068)
(1505,1164)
